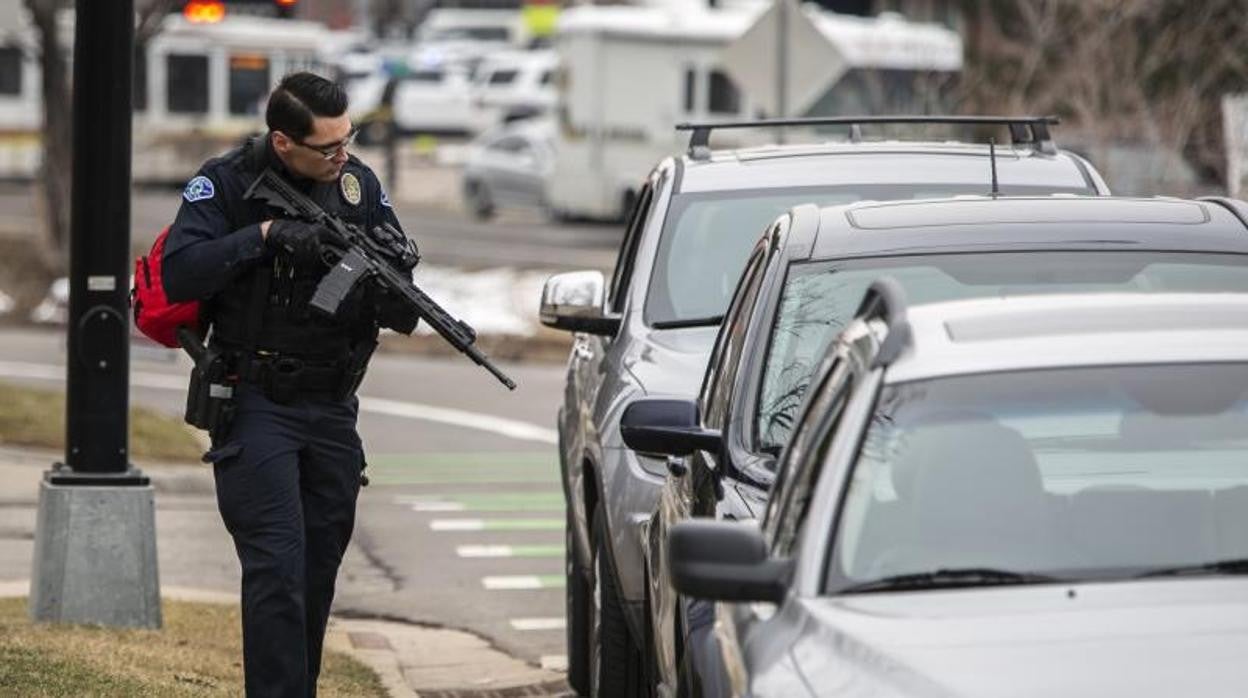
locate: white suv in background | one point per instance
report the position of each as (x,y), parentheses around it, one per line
(510,85)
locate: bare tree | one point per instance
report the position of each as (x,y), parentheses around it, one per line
(55,176)
(1150,72)
(55,172)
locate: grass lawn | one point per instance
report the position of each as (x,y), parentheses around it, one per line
(34,417)
(197,653)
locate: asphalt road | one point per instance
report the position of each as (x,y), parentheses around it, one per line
(516,239)
(464,515)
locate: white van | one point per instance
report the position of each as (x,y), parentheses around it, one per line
(629,74)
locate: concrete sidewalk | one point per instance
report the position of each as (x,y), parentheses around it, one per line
(197,563)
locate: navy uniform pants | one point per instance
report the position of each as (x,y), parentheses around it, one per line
(287,479)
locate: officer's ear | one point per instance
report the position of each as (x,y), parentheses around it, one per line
(282,143)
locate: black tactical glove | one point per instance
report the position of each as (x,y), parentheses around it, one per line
(308,244)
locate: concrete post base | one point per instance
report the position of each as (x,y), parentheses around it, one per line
(95,556)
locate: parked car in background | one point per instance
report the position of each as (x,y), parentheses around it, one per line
(509,166)
(434,99)
(649,331)
(465,35)
(801,286)
(513,85)
(1026,496)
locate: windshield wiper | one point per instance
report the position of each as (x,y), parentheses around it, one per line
(691,322)
(1231,566)
(951,578)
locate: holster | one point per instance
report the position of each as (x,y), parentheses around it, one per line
(355,367)
(210,397)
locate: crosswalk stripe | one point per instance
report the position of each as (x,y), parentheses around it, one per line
(523,581)
(496,524)
(538,623)
(509,551)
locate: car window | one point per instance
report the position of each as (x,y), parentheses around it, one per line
(502,77)
(547,77)
(819,298)
(706,236)
(510,144)
(803,461)
(425,76)
(717,392)
(1089,473)
(628,249)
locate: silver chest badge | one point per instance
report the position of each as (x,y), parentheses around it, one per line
(350,185)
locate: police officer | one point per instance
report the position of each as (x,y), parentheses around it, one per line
(288,465)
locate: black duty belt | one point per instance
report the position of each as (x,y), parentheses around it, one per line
(285,378)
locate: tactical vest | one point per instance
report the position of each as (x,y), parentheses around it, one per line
(282,291)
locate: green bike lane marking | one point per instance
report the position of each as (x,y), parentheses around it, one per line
(496,525)
(496,551)
(546,500)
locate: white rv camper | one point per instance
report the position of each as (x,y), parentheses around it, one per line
(630,74)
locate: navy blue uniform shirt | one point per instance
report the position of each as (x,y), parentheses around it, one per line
(216,235)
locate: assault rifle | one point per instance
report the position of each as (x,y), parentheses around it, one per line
(377,258)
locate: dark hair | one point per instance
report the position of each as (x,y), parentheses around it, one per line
(300,97)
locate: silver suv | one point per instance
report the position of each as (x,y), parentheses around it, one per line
(1024,496)
(648,331)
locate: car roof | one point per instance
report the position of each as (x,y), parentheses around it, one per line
(882,162)
(1016,333)
(1056,222)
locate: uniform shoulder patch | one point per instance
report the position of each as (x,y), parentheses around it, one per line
(199,189)
(385,199)
(350,185)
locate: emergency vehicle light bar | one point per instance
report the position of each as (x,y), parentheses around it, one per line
(1032,131)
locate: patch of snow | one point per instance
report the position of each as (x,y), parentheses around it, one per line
(54,308)
(492,301)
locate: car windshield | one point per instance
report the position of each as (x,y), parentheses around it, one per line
(1072,474)
(820,297)
(707,237)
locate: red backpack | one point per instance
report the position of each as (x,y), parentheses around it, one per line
(154,315)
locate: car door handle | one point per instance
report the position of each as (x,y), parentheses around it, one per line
(582,351)
(677,467)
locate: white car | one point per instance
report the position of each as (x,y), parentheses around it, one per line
(435,98)
(509,166)
(514,84)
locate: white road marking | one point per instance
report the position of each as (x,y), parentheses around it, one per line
(522,431)
(437,506)
(484,551)
(538,623)
(519,581)
(457,525)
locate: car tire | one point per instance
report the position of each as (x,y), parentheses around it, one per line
(579,594)
(477,200)
(616,666)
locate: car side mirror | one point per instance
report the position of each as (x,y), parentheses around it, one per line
(666,427)
(725,561)
(574,302)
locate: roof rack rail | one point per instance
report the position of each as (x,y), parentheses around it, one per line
(1237,207)
(1024,130)
(886,299)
